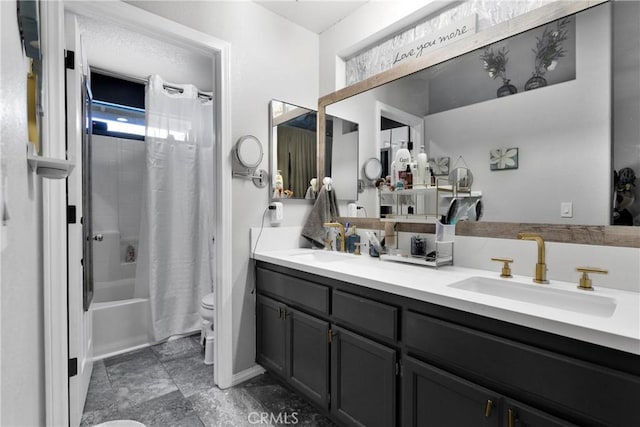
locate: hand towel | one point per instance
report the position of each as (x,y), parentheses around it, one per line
(325,209)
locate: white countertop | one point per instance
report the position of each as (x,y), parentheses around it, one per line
(620,330)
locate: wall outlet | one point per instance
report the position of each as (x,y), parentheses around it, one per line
(566,210)
(352,210)
(277,214)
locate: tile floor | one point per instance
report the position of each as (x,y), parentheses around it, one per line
(169,385)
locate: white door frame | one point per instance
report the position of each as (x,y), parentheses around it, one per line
(80,334)
(54,203)
(54,224)
(415,123)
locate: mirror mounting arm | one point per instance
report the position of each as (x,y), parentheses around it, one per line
(259,178)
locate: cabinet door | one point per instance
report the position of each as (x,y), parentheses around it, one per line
(308,356)
(433,397)
(270,334)
(363,380)
(518,414)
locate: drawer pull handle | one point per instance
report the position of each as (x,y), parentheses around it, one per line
(488,408)
(512,418)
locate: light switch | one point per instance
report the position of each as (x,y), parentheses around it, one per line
(566,210)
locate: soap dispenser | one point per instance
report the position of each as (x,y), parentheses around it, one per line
(422,169)
(352,239)
(403,157)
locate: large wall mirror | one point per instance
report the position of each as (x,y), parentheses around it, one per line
(293,153)
(569,134)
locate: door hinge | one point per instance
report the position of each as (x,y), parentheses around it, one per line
(69,59)
(330,335)
(71,214)
(398,368)
(73,367)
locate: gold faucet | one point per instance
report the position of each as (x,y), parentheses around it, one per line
(541,266)
(342,236)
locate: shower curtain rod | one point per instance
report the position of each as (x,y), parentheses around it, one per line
(144,81)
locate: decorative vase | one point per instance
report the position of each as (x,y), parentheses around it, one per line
(535,82)
(506,89)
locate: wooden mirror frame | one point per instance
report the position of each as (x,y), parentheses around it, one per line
(607,235)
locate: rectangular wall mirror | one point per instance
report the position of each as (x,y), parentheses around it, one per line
(564,132)
(293,153)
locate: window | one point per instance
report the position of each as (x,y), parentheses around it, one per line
(118,107)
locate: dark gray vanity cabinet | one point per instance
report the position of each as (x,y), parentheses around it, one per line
(271,343)
(294,346)
(308,356)
(371,358)
(334,347)
(542,375)
(433,397)
(363,380)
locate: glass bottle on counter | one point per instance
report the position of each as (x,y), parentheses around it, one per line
(408,178)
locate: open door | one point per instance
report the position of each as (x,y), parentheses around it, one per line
(80,285)
(87,201)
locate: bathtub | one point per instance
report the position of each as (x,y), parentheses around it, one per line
(121,323)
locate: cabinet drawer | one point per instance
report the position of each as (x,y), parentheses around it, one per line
(292,290)
(565,384)
(366,315)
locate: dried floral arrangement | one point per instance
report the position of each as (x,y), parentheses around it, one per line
(495,62)
(549,47)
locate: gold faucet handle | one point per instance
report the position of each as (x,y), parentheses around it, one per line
(357,250)
(585,280)
(506,269)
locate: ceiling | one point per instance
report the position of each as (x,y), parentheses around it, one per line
(314,15)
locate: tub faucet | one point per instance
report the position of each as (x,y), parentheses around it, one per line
(342,236)
(541,266)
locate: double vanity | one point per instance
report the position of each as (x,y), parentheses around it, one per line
(386,343)
(380,343)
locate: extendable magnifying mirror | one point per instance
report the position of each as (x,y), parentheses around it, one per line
(371,170)
(248,153)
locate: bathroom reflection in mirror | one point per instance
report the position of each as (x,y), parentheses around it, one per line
(559,128)
(341,156)
(292,151)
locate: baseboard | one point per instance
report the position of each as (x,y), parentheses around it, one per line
(247,374)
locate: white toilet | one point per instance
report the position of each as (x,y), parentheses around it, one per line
(206,334)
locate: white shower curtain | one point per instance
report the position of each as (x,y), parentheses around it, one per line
(174,262)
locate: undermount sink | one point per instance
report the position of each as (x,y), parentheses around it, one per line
(321,256)
(596,305)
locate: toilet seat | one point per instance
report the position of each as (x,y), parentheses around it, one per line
(207,301)
(207,308)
